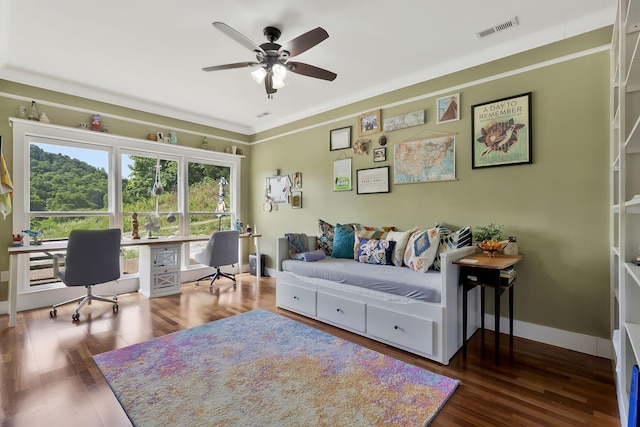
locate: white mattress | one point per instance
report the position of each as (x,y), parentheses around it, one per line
(385,279)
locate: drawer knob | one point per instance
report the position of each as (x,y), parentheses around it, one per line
(396,327)
(338,310)
(296,298)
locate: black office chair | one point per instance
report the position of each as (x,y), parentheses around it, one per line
(222,249)
(93,257)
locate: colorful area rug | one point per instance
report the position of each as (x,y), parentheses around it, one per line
(262,369)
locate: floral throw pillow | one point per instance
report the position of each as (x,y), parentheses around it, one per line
(374,251)
(422,249)
(324,239)
(369,233)
(298,244)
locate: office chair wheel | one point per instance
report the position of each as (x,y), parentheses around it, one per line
(75,317)
(53,313)
(115,308)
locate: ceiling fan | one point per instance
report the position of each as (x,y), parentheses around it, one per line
(273,59)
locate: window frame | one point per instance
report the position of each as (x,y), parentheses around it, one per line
(25,131)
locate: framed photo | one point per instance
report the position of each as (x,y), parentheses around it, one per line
(369,123)
(501,132)
(296,199)
(373,180)
(342,175)
(403,121)
(448,108)
(379,154)
(297,180)
(339,139)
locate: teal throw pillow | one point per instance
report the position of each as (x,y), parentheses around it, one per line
(343,239)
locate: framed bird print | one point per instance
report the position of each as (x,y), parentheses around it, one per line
(501,132)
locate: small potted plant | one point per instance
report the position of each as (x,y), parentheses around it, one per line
(488,238)
(487,232)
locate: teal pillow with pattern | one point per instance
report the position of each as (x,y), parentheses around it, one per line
(343,238)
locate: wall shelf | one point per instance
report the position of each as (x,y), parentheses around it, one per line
(625,202)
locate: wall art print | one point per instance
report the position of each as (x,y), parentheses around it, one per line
(501,132)
(403,121)
(448,108)
(425,160)
(342,174)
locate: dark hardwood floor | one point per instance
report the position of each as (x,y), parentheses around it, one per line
(48,377)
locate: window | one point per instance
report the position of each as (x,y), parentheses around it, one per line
(81,179)
(210,201)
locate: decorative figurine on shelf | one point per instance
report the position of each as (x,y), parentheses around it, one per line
(248,230)
(16,239)
(96,122)
(33,115)
(134,226)
(36,237)
(238,225)
(44,118)
(222,207)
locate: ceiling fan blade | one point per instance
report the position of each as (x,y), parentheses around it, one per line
(237,37)
(305,41)
(230,66)
(311,71)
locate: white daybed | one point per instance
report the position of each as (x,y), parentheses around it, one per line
(429,326)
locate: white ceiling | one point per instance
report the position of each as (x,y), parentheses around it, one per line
(149,54)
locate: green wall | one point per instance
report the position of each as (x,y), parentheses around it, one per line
(557,206)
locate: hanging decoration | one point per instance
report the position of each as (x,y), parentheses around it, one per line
(222,207)
(152,224)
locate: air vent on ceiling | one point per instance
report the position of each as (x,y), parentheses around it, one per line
(500,27)
(266,113)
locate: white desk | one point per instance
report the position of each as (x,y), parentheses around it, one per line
(61,245)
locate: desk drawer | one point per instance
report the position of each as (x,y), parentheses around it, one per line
(407,331)
(297,299)
(341,311)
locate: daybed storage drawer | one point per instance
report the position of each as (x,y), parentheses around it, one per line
(408,331)
(296,298)
(341,311)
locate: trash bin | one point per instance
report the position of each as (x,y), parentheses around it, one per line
(252,264)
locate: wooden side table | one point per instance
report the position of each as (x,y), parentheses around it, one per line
(484,271)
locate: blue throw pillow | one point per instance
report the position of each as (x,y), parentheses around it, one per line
(373,251)
(343,239)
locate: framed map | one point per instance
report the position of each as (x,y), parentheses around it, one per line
(425,160)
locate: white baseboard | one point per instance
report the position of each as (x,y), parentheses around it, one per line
(582,343)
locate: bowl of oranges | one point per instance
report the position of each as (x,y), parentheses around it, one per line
(492,246)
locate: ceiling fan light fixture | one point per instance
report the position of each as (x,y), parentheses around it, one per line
(277,83)
(279,71)
(259,75)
